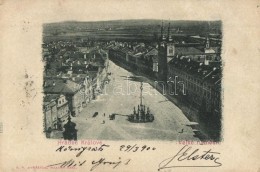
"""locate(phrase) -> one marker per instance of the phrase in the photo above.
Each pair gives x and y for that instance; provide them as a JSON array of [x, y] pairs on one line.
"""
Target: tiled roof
[[152, 52], [50, 97], [61, 86], [207, 73], [187, 51]]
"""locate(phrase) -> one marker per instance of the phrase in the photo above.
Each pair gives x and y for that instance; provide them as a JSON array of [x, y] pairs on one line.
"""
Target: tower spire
[[169, 30], [169, 33], [162, 30]]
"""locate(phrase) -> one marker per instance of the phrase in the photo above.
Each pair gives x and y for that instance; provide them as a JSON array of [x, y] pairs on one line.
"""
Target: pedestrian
[[104, 114]]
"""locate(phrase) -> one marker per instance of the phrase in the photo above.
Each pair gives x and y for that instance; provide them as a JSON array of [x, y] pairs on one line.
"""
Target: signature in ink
[[193, 157]]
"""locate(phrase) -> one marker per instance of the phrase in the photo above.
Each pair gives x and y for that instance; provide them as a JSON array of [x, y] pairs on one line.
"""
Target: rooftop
[[206, 73], [50, 97], [65, 86], [187, 51]]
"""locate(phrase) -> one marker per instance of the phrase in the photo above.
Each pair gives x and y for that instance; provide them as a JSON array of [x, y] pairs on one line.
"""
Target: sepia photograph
[[133, 80]]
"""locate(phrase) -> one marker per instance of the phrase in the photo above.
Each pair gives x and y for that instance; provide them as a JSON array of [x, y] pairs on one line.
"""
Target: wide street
[[119, 96]]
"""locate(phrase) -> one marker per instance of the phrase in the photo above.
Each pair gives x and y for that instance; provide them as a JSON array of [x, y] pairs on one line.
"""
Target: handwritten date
[[135, 148]]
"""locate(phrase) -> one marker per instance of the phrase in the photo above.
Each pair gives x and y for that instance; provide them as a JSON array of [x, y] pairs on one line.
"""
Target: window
[[208, 57], [170, 50]]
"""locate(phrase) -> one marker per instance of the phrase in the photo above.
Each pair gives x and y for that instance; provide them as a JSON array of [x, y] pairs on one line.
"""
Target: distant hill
[[146, 28], [141, 22]]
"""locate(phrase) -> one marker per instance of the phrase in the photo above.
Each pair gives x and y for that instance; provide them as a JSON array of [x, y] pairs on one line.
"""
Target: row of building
[[144, 59], [56, 111], [71, 80], [197, 83]]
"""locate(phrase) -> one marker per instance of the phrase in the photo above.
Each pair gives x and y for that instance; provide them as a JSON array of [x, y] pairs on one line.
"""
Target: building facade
[[199, 83]]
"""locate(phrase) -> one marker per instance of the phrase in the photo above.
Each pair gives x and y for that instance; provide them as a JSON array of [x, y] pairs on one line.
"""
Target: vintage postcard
[[129, 85]]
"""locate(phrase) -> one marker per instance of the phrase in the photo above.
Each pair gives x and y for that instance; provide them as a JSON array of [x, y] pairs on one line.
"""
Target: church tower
[[170, 45], [162, 57], [210, 53]]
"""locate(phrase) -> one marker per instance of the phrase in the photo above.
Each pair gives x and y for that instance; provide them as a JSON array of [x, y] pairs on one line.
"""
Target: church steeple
[[208, 49], [169, 33], [162, 30]]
